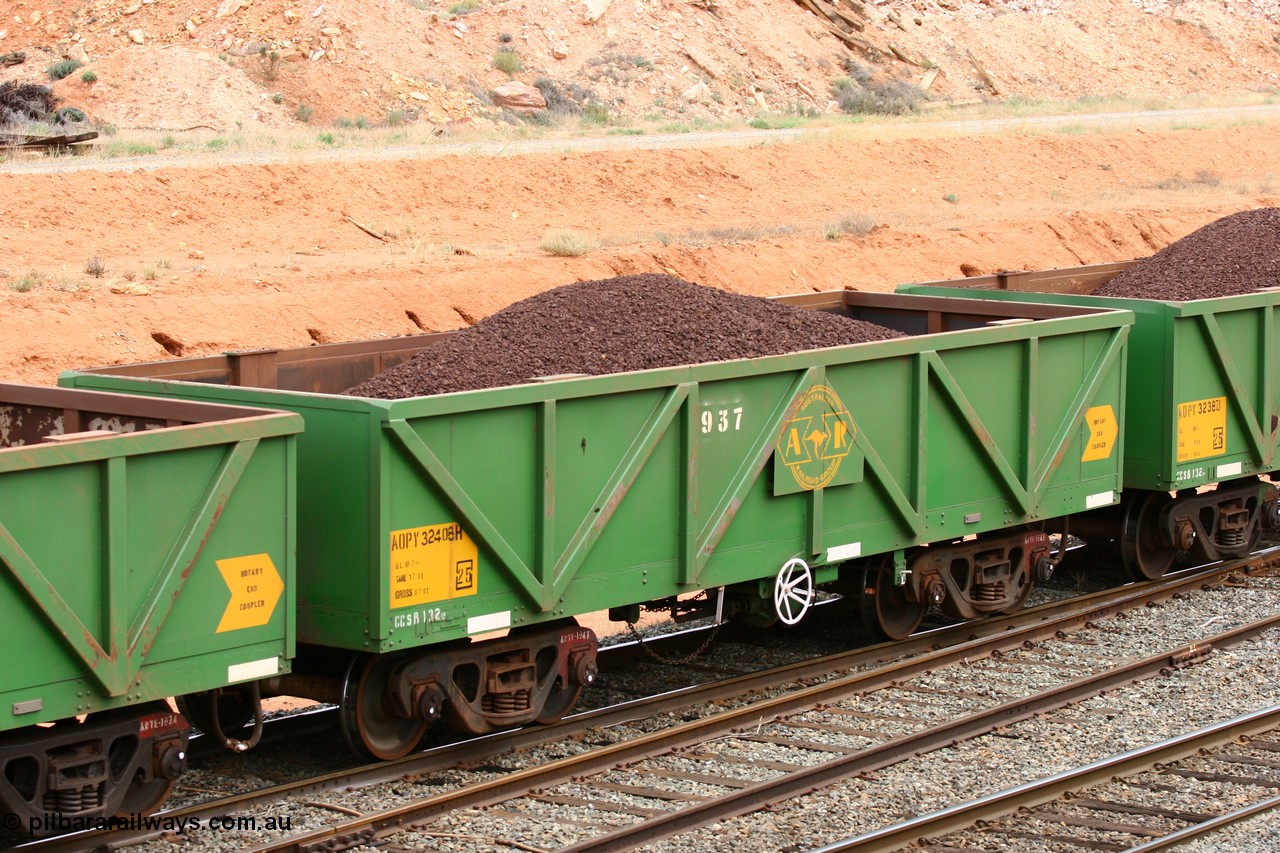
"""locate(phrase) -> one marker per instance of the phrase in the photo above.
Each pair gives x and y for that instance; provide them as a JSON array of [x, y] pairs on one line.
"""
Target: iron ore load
[[646, 443], [1203, 388]]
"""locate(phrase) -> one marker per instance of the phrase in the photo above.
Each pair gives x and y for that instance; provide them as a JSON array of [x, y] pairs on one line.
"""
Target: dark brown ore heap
[[632, 322], [1229, 256]]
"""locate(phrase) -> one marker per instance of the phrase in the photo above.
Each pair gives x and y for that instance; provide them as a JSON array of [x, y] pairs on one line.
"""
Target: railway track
[[601, 751], [1129, 796]]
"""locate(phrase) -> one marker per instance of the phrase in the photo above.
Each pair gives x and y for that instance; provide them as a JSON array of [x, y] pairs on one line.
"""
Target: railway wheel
[[1020, 598], [1142, 547], [885, 606], [563, 698], [146, 795], [559, 702], [234, 708], [368, 724]]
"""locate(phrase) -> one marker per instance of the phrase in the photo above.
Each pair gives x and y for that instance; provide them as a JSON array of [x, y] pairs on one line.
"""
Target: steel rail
[[956, 642], [797, 783], [517, 783], [1199, 830], [1032, 794]]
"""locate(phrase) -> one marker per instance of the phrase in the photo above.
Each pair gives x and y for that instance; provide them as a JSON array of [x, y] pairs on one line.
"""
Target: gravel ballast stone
[[631, 322], [1230, 256]]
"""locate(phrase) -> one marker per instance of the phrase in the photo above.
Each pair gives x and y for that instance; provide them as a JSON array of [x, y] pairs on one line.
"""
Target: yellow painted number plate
[[1202, 428], [432, 563]]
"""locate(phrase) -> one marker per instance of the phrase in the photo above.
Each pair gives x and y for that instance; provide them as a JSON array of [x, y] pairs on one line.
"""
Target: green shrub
[[596, 113], [28, 282], [89, 77], [508, 61], [61, 69], [95, 268], [466, 7], [277, 98], [395, 117], [304, 113], [868, 95]]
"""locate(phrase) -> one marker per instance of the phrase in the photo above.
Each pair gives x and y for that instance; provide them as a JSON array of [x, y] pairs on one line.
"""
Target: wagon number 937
[[722, 420]]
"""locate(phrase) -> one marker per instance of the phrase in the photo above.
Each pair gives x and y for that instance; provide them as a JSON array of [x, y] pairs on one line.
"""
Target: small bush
[[395, 117], [216, 144], [61, 69], [568, 244], [122, 148], [95, 268], [269, 60], [508, 61], [326, 138], [304, 113], [560, 101], [595, 114], [951, 198], [856, 224], [466, 7], [863, 93], [28, 282], [89, 77], [277, 98]]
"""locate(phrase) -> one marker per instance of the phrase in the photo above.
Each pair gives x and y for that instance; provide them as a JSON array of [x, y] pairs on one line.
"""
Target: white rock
[[698, 92]]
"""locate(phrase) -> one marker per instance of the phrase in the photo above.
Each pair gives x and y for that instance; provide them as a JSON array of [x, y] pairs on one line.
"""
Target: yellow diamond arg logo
[[255, 588], [814, 442]]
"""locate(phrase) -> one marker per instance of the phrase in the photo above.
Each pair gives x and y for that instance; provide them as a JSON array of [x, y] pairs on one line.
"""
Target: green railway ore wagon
[[146, 551], [428, 522], [1203, 407]]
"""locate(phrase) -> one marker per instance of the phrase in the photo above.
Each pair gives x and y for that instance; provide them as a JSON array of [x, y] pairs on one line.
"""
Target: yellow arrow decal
[[1103, 430], [255, 588]]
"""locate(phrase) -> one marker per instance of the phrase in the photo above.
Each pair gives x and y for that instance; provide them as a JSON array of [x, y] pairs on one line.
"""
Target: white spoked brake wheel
[[793, 591]]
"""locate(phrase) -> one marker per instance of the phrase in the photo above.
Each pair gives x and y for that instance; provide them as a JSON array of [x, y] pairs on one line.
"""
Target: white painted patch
[[1232, 470], [253, 669], [1100, 499], [844, 552], [489, 622]]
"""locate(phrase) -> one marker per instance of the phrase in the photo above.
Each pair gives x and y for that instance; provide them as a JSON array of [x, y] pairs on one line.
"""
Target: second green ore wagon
[[446, 543], [1203, 409]]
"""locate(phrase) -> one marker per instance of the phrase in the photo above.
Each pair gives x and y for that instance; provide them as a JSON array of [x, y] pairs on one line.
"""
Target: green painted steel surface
[[436, 518], [1204, 376], [114, 547]]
